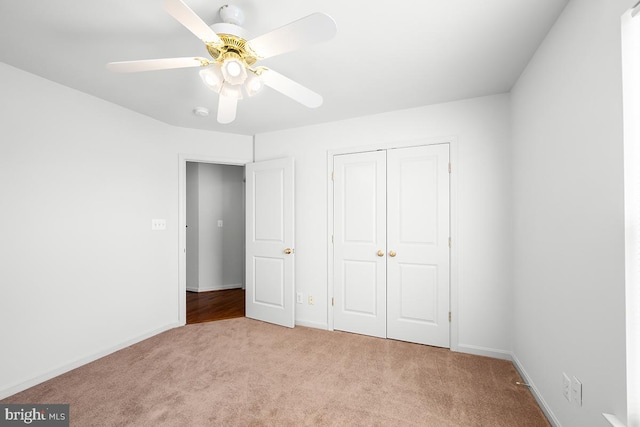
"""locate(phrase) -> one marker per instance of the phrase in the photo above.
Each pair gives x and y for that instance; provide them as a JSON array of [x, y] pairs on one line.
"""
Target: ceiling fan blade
[[156, 64], [187, 17], [292, 89], [314, 28], [227, 106]]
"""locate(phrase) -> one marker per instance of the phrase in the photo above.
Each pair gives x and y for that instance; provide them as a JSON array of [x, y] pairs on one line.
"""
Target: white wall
[[568, 214], [82, 272], [481, 128], [219, 251], [233, 215]]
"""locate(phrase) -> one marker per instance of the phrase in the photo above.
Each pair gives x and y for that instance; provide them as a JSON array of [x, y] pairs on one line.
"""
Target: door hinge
[[331, 175], [449, 316], [449, 242], [333, 301], [332, 238], [449, 167]]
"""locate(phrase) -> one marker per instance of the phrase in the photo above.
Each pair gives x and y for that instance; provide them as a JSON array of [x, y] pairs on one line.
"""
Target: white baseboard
[[536, 394], [613, 420], [310, 324], [214, 288], [484, 351], [16, 388]]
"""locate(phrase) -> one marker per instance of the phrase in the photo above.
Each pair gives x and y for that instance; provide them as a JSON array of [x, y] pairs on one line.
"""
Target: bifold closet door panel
[[360, 243], [418, 244]]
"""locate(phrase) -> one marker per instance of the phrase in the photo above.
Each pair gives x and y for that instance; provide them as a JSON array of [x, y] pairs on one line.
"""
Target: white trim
[[311, 324], [536, 394], [210, 288], [455, 244], [453, 216], [484, 351], [613, 420], [16, 388], [631, 148], [182, 221], [330, 154]]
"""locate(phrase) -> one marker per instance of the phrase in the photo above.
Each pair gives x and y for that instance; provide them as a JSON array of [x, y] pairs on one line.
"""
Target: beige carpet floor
[[245, 372]]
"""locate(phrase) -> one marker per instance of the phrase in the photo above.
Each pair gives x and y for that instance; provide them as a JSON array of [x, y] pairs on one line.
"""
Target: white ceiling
[[386, 55]]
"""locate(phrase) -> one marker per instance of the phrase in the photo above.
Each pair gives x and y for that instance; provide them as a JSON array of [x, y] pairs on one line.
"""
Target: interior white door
[[270, 242], [418, 244], [360, 243]]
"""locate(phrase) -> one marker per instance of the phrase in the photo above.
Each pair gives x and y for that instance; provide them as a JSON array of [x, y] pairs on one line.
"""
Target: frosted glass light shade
[[231, 91], [233, 71], [253, 84], [212, 78]]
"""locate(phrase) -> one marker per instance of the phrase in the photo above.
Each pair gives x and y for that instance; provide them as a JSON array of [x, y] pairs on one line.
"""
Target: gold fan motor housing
[[233, 46]]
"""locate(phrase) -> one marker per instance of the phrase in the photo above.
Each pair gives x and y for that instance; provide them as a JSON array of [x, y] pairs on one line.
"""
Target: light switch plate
[[158, 224], [566, 386], [576, 391]]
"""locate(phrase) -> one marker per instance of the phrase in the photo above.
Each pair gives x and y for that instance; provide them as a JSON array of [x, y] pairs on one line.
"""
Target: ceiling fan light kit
[[230, 71], [253, 84], [212, 77], [231, 91], [234, 71]]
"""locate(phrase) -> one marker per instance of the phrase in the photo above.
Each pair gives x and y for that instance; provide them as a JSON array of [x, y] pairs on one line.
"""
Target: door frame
[[453, 224], [182, 220]]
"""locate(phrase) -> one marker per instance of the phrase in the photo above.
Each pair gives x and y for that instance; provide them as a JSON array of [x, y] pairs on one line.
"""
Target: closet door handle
[[288, 251], [380, 253], [392, 253]]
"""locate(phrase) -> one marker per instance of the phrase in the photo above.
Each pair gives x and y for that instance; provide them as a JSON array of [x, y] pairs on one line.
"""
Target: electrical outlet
[[566, 387], [299, 297], [576, 391], [310, 300]]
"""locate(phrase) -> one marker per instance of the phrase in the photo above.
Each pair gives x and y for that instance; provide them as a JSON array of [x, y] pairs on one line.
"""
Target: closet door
[[360, 243], [418, 244]]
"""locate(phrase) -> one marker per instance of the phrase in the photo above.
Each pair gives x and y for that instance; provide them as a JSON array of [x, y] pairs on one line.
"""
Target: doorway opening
[[215, 241]]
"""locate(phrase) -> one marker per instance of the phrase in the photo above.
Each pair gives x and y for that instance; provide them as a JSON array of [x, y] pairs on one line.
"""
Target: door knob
[[380, 253], [392, 253], [288, 251]]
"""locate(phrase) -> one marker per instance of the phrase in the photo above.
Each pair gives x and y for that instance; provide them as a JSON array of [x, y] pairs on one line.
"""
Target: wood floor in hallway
[[214, 305]]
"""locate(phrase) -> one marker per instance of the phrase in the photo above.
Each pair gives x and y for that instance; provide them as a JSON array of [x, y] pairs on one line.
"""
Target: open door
[[270, 242]]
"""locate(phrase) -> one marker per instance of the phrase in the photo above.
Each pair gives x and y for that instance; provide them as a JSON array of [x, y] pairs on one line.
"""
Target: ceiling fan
[[231, 71]]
